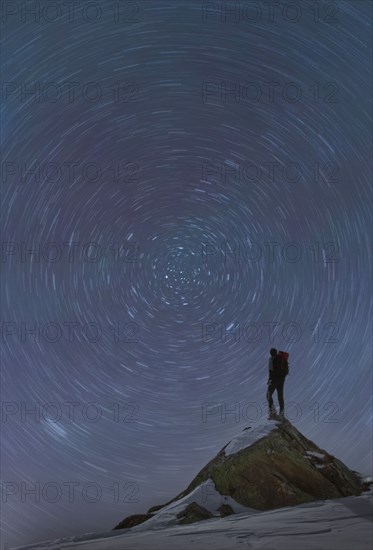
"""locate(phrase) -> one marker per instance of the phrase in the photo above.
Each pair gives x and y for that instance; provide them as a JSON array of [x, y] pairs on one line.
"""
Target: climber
[[278, 369]]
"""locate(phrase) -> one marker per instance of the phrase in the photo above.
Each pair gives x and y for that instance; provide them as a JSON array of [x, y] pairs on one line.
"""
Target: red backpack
[[280, 363]]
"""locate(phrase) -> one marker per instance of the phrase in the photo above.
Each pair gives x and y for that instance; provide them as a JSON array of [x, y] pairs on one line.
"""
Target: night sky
[[195, 183]]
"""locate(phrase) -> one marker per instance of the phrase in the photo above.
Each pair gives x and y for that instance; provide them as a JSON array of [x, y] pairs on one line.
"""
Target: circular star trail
[[194, 185]]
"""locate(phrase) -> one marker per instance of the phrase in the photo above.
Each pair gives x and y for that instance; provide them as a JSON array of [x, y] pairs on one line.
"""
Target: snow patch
[[250, 436], [205, 495], [313, 453]]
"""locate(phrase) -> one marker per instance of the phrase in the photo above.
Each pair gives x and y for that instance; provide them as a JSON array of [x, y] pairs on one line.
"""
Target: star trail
[[184, 186]]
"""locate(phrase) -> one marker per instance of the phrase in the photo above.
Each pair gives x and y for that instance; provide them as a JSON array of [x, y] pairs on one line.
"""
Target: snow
[[343, 523], [313, 453], [250, 436], [205, 495]]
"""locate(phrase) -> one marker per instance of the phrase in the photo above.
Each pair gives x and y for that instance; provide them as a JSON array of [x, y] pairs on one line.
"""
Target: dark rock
[[225, 510], [131, 521], [192, 513], [155, 508], [367, 485]]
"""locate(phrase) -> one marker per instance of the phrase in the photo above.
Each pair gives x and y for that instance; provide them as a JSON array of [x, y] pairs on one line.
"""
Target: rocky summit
[[269, 465]]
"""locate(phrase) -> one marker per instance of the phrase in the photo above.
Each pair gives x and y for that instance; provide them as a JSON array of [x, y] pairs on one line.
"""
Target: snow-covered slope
[[341, 524], [205, 495], [250, 436], [271, 455]]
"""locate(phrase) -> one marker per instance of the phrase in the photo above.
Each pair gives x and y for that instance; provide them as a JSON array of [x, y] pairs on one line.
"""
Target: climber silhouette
[[276, 380]]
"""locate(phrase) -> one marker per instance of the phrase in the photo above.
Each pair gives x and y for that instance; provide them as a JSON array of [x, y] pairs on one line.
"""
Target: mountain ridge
[[268, 465]]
